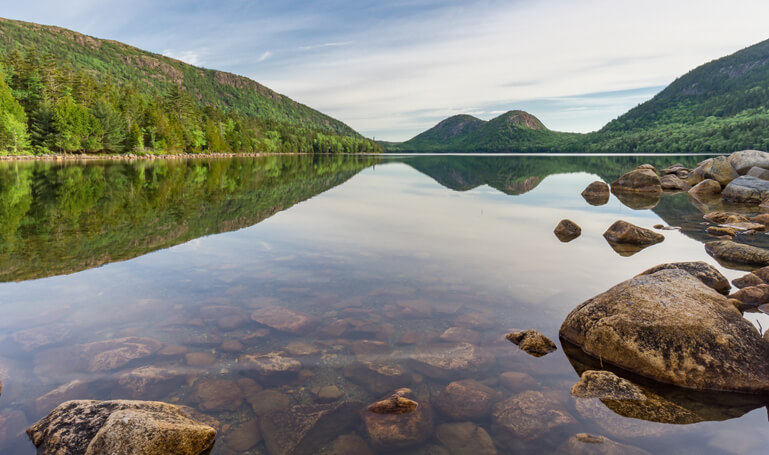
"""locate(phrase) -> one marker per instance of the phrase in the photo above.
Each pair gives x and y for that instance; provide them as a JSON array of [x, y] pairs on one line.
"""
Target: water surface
[[383, 254]]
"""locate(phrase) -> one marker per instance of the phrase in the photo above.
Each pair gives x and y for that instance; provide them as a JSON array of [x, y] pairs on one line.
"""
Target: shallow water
[[383, 254]]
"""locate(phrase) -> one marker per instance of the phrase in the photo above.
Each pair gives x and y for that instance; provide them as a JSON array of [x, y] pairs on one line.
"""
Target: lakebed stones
[[588, 444], [466, 399], [532, 342], [273, 366], [120, 428], [397, 403], [302, 429], [698, 269], [94, 357], [737, 254], [670, 327], [746, 190], [606, 385], [218, 395], [379, 377], [567, 230], [638, 181], [393, 431], [528, 416], [465, 438], [449, 360], [149, 382], [280, 318], [244, 436], [597, 193]]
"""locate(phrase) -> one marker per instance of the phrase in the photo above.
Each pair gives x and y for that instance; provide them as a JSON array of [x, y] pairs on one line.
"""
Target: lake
[[172, 280]]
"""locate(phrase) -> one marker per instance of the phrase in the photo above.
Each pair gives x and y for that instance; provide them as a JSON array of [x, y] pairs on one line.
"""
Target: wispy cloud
[[320, 46], [265, 55], [191, 57]]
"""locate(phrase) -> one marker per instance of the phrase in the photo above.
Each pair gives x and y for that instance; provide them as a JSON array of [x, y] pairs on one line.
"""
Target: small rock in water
[[606, 385], [720, 231], [517, 381], [466, 399], [752, 296], [465, 438], [329, 393], [624, 232], [379, 377], [244, 436], [218, 395], [395, 404], [638, 181], [733, 253], [597, 193], [393, 431], [567, 230], [528, 416], [532, 342], [750, 279], [705, 190]]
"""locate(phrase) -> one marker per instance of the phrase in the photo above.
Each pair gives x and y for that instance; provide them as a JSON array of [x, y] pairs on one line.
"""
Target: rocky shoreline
[[134, 157]]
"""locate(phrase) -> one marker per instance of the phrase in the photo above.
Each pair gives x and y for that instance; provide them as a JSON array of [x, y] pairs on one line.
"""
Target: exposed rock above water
[[532, 342], [567, 230], [597, 193], [752, 296], [746, 190], [397, 403], [744, 160], [747, 280], [627, 233], [390, 431], [698, 269], [637, 181], [733, 254], [705, 190], [718, 169], [670, 327], [120, 428]]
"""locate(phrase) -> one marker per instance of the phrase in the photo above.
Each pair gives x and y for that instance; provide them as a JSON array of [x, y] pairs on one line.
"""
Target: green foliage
[[77, 94]]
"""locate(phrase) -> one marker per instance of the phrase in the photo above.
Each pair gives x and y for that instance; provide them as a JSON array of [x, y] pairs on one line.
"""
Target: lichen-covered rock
[[698, 269], [638, 181], [746, 190], [606, 385], [744, 160], [718, 169], [528, 416], [532, 342], [737, 254], [120, 428], [597, 193], [467, 399], [670, 327], [588, 444], [627, 233], [567, 230]]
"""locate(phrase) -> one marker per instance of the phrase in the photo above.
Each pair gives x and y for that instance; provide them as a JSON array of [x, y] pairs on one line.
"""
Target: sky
[[393, 68]]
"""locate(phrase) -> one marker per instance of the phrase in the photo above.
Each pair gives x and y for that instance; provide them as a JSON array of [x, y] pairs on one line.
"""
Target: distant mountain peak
[[522, 119]]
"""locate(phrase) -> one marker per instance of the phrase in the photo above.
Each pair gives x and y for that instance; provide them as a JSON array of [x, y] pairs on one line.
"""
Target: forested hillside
[[64, 92]]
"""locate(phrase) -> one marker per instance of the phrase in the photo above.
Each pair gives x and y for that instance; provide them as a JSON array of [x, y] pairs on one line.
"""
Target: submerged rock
[[670, 327], [746, 190], [465, 438], [622, 232], [597, 193], [300, 430], [744, 160], [94, 357], [120, 428], [705, 190], [698, 269], [273, 366], [532, 342], [466, 399], [397, 403], [737, 254], [377, 376], [218, 395], [391, 431], [445, 360], [638, 181], [244, 436], [605, 384], [528, 416], [588, 444], [280, 318], [567, 230]]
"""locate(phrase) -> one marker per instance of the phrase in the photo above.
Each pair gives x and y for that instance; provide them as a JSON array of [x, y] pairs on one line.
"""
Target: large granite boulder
[[718, 169], [120, 428], [746, 190], [698, 269], [743, 160], [638, 181], [670, 327], [706, 190], [735, 254]]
